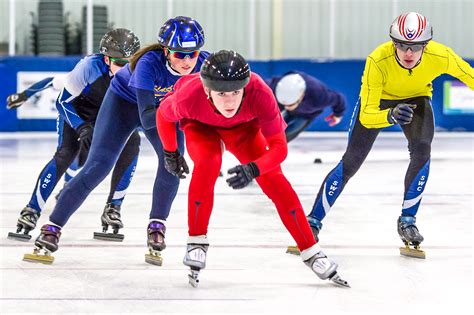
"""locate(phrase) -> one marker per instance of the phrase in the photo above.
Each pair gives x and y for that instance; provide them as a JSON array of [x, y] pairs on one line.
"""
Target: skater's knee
[[94, 171], [350, 164], [210, 164], [65, 155], [163, 177], [133, 144], [420, 150]]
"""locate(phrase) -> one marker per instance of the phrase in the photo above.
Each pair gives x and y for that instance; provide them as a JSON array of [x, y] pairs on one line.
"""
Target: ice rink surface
[[247, 268]]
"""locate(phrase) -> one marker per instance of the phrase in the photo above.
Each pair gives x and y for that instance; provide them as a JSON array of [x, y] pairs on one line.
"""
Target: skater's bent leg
[[115, 122], [124, 169], [204, 148], [66, 150], [360, 143], [72, 170], [420, 136], [295, 125], [275, 185], [166, 185], [247, 143]]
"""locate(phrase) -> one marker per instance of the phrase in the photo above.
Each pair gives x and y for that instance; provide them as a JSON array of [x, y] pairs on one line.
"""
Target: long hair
[[141, 52]]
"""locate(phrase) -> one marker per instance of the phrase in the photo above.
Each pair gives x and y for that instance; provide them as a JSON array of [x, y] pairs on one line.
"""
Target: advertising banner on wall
[[42, 104], [458, 99]]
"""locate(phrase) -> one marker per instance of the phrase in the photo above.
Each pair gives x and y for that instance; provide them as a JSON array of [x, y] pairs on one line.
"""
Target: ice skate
[[322, 266], [316, 226], [110, 217], [47, 242], [156, 242], [195, 257], [410, 236], [26, 222]]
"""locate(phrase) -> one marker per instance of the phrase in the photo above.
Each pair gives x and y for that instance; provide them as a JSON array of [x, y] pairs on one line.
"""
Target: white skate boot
[[195, 257], [322, 266]]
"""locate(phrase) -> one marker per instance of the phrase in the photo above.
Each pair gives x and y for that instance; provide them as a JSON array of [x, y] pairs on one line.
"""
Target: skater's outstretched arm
[[17, 99]]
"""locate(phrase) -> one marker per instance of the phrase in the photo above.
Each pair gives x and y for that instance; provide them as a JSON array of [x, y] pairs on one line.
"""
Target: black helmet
[[225, 71], [181, 33], [119, 43]]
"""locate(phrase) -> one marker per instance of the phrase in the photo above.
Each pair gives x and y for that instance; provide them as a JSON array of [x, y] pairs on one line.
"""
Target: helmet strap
[[170, 68], [108, 64]]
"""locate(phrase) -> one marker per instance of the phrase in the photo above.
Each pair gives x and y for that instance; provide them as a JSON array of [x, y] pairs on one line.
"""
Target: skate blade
[[156, 260], [19, 236], [293, 250], [193, 282], [35, 258], [337, 280], [108, 237], [193, 279], [412, 252]]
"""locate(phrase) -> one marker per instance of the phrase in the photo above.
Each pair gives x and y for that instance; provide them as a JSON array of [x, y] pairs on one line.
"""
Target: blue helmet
[[181, 33]]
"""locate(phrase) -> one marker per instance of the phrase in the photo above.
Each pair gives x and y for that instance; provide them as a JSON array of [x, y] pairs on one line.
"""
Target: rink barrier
[[340, 75]]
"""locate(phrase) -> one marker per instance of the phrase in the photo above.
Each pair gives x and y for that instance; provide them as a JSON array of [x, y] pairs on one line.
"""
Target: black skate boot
[[156, 242], [26, 222], [410, 236], [195, 257], [316, 226], [46, 241], [110, 216]]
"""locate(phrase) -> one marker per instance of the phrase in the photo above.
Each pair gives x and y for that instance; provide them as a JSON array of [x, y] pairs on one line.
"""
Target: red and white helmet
[[411, 27]]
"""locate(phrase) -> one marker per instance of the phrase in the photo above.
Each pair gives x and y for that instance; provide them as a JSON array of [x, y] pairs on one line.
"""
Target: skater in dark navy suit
[[131, 102], [302, 98]]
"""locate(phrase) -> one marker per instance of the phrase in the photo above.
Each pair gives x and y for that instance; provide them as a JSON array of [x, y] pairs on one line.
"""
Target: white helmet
[[411, 27], [290, 88]]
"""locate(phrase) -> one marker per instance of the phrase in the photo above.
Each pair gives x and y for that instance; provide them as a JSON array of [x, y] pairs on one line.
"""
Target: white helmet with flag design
[[410, 28]]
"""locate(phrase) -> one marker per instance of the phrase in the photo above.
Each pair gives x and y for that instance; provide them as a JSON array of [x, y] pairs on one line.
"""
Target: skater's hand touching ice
[[176, 164], [244, 174]]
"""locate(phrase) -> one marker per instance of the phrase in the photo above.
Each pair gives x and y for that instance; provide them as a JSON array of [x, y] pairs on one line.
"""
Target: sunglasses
[[119, 62], [414, 47], [184, 54]]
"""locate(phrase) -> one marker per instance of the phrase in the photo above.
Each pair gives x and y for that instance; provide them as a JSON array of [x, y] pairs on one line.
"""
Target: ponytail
[[141, 52]]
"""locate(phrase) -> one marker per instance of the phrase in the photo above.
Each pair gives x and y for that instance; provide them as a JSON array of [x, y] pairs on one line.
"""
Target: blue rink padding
[[341, 75]]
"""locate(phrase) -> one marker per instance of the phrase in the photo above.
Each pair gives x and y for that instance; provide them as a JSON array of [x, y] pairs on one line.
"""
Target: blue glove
[[244, 174], [401, 114]]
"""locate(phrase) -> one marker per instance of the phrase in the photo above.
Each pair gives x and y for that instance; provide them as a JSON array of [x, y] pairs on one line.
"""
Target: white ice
[[247, 268]]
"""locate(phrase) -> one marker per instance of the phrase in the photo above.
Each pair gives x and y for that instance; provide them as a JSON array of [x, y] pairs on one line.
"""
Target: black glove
[[85, 132], [401, 114], [16, 100], [176, 164], [244, 174]]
